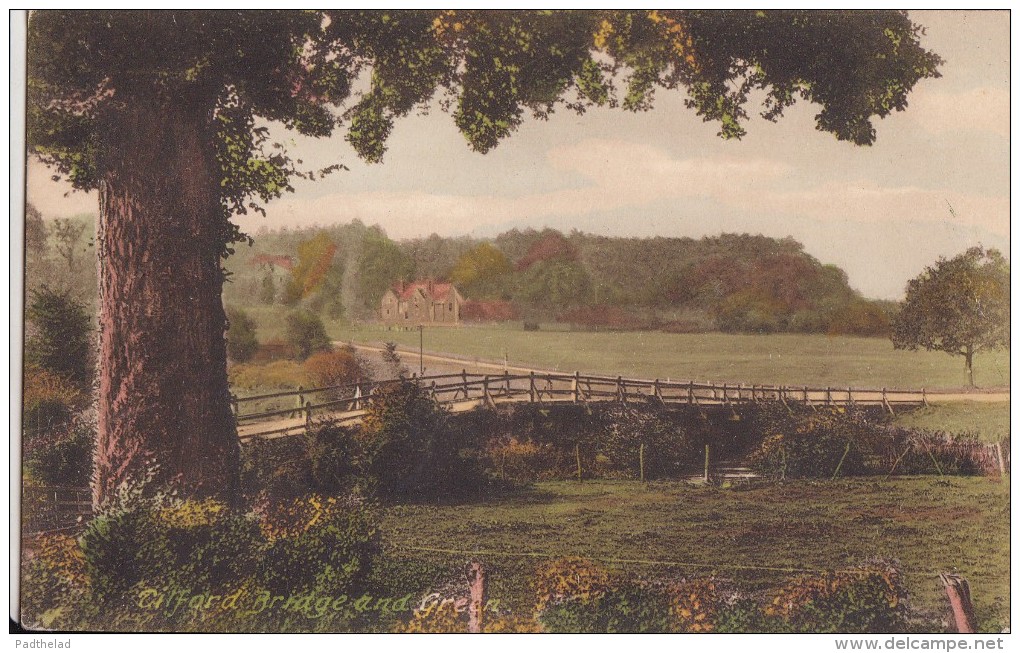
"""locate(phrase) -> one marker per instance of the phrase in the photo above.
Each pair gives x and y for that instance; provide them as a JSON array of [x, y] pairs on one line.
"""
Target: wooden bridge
[[288, 413]]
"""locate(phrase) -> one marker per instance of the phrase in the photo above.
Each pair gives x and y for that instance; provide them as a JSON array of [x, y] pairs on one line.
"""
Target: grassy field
[[926, 524], [989, 421], [777, 359]]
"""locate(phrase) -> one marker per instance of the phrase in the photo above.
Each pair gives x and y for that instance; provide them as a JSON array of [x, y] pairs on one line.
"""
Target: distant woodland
[[729, 283], [736, 283]]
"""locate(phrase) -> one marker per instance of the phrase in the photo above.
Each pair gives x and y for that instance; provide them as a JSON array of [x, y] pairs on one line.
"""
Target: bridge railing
[[349, 402]]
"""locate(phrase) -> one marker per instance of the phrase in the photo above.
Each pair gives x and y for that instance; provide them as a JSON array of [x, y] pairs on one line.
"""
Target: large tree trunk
[[968, 358], [164, 410]]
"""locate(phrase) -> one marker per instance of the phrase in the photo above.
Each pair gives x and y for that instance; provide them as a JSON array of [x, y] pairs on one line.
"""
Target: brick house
[[420, 302]]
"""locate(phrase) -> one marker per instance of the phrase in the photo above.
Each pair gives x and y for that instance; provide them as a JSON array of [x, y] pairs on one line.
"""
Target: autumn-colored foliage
[[332, 368]]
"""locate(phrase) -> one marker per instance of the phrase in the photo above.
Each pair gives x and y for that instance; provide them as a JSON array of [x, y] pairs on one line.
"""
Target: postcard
[[518, 321]]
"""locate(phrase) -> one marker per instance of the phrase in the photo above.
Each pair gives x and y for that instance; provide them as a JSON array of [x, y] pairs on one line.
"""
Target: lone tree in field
[[167, 114], [959, 306]]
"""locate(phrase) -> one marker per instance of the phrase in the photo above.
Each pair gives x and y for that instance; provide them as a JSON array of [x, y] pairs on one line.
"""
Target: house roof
[[439, 292]]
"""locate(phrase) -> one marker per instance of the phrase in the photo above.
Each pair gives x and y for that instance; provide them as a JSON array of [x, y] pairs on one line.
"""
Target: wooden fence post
[[850, 396], [300, 399], [534, 390], [577, 455], [1002, 461], [958, 590], [486, 396], [641, 462], [621, 391], [657, 391], [476, 607], [463, 375], [575, 386], [924, 397], [233, 405], [828, 396], [690, 393], [885, 402], [308, 415]]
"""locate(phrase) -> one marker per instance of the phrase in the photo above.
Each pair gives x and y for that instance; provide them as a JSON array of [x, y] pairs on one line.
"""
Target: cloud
[[624, 176], [981, 109]]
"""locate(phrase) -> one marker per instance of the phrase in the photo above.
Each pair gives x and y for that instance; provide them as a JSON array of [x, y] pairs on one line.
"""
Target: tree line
[[730, 282]]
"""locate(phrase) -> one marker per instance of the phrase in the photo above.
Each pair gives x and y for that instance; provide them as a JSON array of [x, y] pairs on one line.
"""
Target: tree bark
[[968, 358], [164, 410]]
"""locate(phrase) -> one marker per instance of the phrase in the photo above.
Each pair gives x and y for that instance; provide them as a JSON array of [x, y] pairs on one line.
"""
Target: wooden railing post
[[463, 375], [533, 389], [620, 392], [485, 392], [357, 397], [850, 397], [690, 393], [300, 398], [575, 386], [476, 606], [828, 396], [233, 405], [885, 401], [657, 391], [924, 397], [308, 415]]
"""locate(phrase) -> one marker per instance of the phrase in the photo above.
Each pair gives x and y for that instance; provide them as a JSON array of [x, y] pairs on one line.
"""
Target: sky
[[935, 183]]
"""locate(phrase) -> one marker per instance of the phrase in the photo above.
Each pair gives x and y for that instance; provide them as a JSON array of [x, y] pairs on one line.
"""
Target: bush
[[194, 546], [522, 461], [54, 578], [59, 337], [48, 401], [241, 340], [306, 333], [813, 446], [317, 544], [332, 459], [868, 599], [669, 447], [331, 368], [409, 450], [64, 457], [277, 374]]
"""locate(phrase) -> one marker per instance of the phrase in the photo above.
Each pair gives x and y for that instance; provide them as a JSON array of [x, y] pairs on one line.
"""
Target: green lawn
[[768, 359], [926, 524]]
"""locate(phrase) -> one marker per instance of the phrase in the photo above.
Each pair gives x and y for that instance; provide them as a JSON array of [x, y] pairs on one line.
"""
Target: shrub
[[331, 368], [332, 458], [48, 401], [53, 579], [169, 544], [275, 470], [813, 446], [241, 340], [669, 447], [60, 337], [306, 333], [522, 461], [64, 457], [277, 374], [867, 599], [572, 578], [409, 450], [317, 544]]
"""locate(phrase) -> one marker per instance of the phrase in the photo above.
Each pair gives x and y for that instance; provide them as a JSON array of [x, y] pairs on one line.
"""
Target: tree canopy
[[488, 68], [959, 306]]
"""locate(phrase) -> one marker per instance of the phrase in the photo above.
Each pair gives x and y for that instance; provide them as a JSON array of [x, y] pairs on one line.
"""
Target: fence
[[53, 509], [463, 392]]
